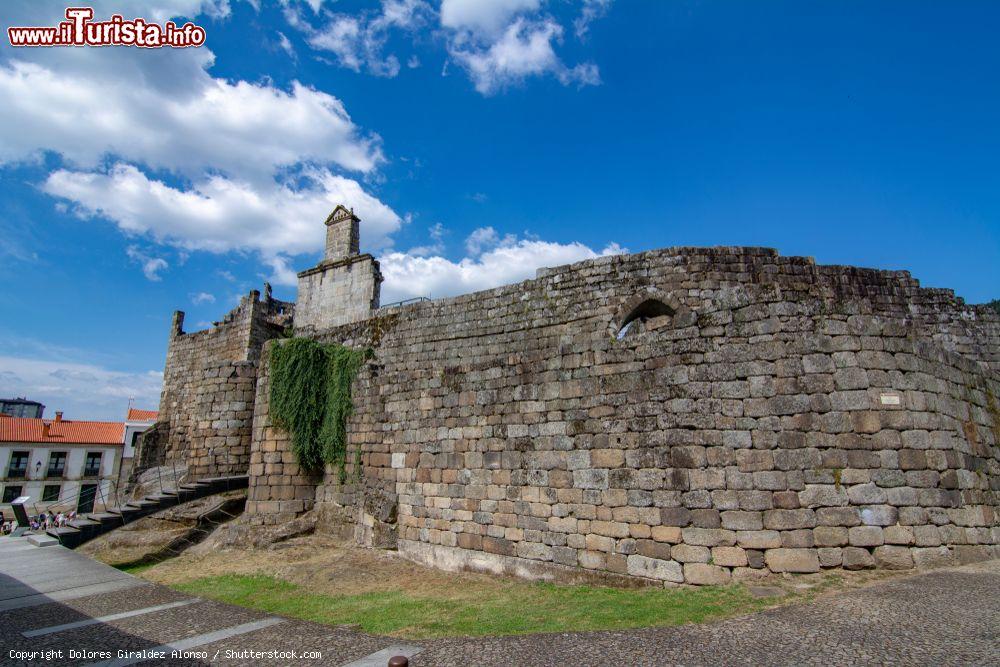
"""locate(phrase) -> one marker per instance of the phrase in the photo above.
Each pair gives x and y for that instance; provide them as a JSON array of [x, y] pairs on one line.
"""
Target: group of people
[[43, 521], [51, 520]]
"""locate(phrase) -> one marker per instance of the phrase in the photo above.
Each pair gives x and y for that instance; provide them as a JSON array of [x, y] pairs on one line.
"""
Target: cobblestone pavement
[[945, 617]]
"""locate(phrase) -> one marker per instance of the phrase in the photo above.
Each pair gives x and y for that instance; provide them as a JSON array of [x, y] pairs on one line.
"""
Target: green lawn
[[514, 608]]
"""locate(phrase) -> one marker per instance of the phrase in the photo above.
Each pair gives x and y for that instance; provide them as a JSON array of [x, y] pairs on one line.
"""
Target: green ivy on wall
[[311, 398]]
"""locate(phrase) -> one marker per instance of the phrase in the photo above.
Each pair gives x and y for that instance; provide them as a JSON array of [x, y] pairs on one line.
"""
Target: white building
[[136, 423], [60, 464]]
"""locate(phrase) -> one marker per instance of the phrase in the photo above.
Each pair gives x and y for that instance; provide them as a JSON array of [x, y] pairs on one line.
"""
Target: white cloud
[[202, 297], [218, 214], [242, 129], [591, 11], [195, 161], [485, 17], [342, 37], [435, 247], [358, 41], [282, 272], [524, 49], [151, 266], [286, 45], [497, 42], [80, 390], [485, 238], [407, 275]]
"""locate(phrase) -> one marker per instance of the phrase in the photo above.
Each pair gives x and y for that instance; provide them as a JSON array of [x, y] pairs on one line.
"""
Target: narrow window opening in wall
[[649, 315]]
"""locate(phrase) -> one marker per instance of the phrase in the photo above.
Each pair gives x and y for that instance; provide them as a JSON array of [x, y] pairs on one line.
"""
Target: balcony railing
[[17, 473], [92, 472]]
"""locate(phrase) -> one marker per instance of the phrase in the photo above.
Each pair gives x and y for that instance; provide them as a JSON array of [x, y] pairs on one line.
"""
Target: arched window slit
[[649, 315]]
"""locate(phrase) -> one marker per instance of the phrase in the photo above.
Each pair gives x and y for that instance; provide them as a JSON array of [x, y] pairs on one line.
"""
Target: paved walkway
[[52, 599], [943, 617]]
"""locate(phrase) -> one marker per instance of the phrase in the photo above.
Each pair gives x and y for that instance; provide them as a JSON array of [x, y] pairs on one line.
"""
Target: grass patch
[[135, 568], [517, 608]]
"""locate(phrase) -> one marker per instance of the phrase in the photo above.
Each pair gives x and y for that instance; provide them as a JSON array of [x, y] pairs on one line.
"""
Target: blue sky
[[478, 140]]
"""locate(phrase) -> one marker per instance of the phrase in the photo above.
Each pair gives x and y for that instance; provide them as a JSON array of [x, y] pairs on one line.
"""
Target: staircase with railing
[[117, 512]]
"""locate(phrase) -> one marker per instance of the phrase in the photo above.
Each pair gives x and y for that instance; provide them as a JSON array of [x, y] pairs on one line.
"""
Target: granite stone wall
[[684, 415], [337, 292], [344, 286], [209, 384]]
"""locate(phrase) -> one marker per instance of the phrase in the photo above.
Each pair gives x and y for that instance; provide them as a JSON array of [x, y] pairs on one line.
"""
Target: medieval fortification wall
[[760, 413], [209, 380], [682, 415]]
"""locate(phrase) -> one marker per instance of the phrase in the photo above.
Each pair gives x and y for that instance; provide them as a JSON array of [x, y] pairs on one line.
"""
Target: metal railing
[[405, 302]]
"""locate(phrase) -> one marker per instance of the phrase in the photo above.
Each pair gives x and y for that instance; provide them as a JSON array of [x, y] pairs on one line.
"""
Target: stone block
[[926, 536], [758, 539], [855, 558], [687, 553], [830, 536], [671, 534], [898, 535], [593, 560], [932, 556], [797, 539], [879, 515], [792, 560], [830, 556], [866, 494], [590, 478], [865, 536], [740, 520], [789, 519], [838, 516], [708, 537], [653, 549], [786, 500], [654, 568], [705, 574], [822, 495], [893, 557], [675, 516], [729, 556], [705, 518]]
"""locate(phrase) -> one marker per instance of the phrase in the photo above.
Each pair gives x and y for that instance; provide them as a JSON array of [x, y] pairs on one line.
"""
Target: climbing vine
[[311, 398]]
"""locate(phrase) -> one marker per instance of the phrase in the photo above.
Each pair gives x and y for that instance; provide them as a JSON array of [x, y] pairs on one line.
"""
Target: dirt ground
[[332, 566]]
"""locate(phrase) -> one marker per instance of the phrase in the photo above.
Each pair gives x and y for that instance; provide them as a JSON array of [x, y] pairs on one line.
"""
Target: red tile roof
[[136, 415], [24, 429]]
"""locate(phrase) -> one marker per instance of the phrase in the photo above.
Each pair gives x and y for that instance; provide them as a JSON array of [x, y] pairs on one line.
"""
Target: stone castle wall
[[336, 292], [763, 414], [209, 384]]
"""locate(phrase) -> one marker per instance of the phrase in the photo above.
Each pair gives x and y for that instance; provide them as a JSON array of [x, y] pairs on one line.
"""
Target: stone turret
[[344, 286], [342, 234]]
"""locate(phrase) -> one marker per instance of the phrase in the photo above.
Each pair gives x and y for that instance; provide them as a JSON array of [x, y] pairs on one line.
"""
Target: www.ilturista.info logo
[[79, 30]]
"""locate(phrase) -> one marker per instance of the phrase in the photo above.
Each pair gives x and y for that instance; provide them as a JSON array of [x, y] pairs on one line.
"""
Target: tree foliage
[[311, 398]]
